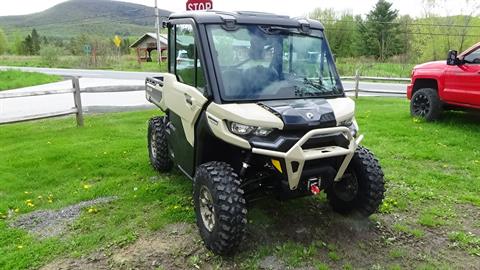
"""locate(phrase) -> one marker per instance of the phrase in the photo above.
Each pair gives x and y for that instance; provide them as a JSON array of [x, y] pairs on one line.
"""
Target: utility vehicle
[[260, 112], [451, 84]]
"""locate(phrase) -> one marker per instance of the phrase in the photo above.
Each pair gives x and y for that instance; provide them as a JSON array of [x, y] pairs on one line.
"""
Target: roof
[[246, 17], [163, 39]]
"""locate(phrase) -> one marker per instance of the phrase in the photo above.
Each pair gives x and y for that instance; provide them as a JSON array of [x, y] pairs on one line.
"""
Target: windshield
[[268, 62]]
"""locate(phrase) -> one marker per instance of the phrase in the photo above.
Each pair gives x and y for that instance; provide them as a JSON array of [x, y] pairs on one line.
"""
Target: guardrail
[[358, 78], [77, 98]]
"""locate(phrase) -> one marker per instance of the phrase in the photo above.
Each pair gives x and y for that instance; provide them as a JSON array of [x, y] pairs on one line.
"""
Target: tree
[[35, 42], [28, 45], [405, 38], [380, 31], [3, 42], [45, 41], [125, 46], [17, 46], [340, 30]]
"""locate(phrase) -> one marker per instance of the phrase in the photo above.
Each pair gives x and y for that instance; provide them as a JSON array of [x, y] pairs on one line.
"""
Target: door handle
[[188, 99]]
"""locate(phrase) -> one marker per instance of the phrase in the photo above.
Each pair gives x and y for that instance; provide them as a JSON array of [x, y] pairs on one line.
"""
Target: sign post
[[199, 4], [118, 42], [87, 49]]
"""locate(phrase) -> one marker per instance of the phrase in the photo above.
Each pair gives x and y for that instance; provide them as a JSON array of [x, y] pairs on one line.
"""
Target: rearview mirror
[[452, 59]]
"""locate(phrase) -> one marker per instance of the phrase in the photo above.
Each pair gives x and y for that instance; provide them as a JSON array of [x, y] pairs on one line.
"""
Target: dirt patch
[[362, 243], [177, 246], [469, 218], [338, 241], [53, 223], [170, 249]]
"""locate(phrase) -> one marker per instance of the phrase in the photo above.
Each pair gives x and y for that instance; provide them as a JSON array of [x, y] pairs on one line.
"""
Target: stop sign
[[199, 4]]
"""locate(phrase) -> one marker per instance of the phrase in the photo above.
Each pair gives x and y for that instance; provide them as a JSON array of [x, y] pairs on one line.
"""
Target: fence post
[[78, 101], [357, 83]]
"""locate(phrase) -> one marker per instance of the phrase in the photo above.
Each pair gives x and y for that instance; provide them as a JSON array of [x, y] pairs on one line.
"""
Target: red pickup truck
[[443, 85]]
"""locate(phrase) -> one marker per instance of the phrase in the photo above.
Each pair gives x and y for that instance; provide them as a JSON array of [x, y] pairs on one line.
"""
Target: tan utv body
[[257, 110], [169, 91]]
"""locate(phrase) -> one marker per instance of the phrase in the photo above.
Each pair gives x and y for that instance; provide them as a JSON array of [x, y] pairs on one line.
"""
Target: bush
[[50, 54]]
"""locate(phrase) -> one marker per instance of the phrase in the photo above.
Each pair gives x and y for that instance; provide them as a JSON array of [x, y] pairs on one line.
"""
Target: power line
[[408, 33], [402, 23]]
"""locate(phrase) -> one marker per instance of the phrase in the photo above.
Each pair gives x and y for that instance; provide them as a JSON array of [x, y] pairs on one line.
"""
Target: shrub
[[50, 55]]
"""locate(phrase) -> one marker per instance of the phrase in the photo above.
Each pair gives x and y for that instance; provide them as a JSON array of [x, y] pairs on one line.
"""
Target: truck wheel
[[219, 206], [426, 104], [157, 145], [362, 187]]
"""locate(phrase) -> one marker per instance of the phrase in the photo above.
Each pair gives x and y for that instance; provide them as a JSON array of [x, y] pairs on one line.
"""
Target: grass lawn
[[13, 79], [369, 67], [125, 63], [429, 219], [346, 66]]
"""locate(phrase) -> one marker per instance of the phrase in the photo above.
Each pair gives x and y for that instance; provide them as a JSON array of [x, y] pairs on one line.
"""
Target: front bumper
[[296, 154]]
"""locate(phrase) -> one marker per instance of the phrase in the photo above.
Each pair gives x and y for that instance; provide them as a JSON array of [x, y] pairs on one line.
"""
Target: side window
[[473, 57], [186, 60]]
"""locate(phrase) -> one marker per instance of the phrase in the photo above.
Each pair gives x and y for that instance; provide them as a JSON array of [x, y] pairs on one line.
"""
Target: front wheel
[[426, 104], [220, 207], [361, 188]]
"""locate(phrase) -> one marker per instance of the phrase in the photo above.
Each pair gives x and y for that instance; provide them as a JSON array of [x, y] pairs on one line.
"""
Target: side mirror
[[452, 59]]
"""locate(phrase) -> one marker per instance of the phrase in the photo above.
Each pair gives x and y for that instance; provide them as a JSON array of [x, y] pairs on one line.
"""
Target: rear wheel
[[157, 144], [362, 187], [219, 206], [426, 104]]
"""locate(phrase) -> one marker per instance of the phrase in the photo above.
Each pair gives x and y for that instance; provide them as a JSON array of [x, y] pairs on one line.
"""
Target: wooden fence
[[358, 78], [75, 90]]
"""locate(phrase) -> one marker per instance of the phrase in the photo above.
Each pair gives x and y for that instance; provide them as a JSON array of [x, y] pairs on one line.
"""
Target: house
[[148, 43]]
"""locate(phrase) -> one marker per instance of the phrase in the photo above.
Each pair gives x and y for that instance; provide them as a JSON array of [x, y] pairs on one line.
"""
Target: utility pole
[[157, 28]]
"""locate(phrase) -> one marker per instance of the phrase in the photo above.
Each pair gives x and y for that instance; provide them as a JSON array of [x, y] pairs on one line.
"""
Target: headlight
[[347, 123], [262, 131], [243, 130], [352, 125]]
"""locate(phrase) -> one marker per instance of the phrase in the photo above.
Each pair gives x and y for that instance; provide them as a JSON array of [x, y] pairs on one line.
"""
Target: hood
[[432, 65], [311, 113]]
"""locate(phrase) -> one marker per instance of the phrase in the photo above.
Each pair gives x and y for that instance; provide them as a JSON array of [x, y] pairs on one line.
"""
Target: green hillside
[[93, 17]]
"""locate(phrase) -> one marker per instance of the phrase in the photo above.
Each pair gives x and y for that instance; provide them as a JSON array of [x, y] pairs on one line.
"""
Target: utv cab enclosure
[[255, 108]]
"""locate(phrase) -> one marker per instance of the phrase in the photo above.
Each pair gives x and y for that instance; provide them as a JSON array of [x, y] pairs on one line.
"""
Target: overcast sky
[[289, 7]]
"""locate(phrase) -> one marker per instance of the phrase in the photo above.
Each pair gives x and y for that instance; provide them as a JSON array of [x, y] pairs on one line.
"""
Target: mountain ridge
[[92, 17]]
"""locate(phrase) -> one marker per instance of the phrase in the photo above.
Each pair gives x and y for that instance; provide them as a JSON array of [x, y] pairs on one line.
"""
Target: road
[[111, 101]]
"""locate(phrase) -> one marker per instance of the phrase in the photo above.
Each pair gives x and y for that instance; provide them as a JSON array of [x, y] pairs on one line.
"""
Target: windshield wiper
[[316, 84]]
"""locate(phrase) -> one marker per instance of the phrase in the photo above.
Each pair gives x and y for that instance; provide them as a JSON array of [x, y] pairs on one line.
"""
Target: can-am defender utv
[[255, 107]]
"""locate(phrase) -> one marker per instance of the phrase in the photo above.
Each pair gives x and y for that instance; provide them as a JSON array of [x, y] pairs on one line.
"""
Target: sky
[[293, 7]]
